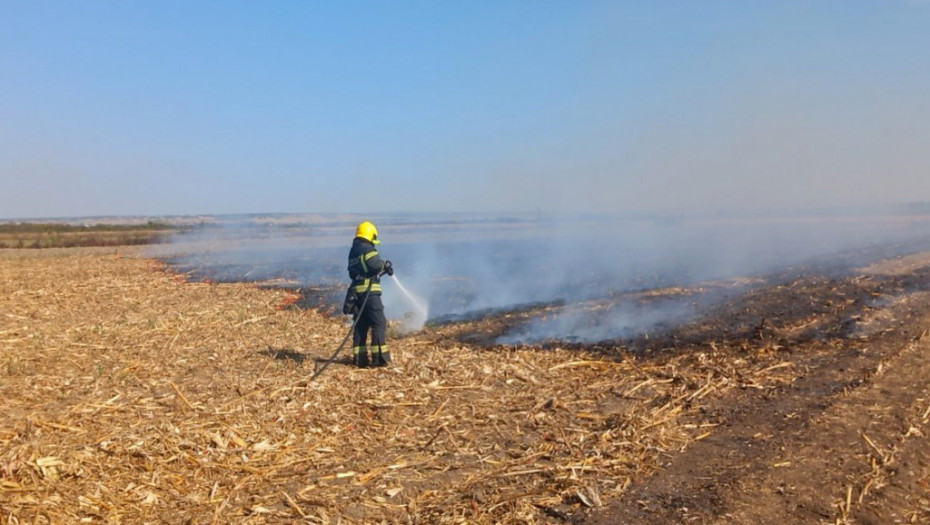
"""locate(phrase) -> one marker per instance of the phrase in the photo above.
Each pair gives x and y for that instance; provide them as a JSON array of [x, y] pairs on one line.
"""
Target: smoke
[[463, 265], [591, 323], [277, 249]]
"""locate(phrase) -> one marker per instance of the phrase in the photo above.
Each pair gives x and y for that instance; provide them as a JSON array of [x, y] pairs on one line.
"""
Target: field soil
[[130, 395], [844, 442]]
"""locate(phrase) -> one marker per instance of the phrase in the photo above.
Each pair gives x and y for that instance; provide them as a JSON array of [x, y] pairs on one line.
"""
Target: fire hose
[[346, 338]]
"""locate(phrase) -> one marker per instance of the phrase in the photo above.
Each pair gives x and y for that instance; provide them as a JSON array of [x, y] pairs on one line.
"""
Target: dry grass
[[132, 396], [75, 239]]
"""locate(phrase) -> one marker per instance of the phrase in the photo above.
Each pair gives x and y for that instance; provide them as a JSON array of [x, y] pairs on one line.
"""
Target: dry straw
[[132, 396]]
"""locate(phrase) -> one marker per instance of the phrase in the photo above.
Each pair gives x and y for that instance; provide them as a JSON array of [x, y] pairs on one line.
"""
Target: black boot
[[361, 357], [380, 356]]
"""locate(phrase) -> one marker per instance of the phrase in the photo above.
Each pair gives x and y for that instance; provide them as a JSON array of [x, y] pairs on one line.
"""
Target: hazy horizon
[[904, 208]]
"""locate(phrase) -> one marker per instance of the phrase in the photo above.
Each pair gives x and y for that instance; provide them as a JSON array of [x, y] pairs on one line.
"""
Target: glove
[[349, 308], [388, 268], [350, 305]]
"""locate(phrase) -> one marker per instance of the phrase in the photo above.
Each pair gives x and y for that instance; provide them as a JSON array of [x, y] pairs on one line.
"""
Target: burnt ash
[[714, 309], [771, 311], [324, 298], [491, 313]]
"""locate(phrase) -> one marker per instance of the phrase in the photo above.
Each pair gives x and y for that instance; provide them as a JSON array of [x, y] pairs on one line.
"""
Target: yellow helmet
[[367, 231]]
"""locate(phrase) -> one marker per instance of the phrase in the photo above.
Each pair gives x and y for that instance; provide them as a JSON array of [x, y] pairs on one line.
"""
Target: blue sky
[[235, 107]]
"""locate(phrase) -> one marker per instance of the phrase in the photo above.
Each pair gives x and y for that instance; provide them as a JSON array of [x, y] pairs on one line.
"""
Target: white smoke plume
[[462, 265]]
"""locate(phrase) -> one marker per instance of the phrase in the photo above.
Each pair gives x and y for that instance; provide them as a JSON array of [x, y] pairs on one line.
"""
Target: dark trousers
[[371, 318]]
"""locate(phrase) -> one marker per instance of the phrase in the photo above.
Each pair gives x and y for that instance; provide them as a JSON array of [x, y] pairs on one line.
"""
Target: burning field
[[131, 395]]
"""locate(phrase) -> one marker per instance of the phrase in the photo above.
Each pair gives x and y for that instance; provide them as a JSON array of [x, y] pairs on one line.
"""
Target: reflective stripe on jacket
[[365, 266]]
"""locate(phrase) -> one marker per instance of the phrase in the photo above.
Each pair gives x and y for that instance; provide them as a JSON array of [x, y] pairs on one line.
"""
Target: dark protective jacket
[[365, 266]]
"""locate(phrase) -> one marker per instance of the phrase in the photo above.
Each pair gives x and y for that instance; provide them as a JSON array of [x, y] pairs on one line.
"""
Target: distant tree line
[[56, 227]]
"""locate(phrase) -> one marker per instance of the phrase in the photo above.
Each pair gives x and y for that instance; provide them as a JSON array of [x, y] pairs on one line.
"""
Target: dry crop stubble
[[131, 395]]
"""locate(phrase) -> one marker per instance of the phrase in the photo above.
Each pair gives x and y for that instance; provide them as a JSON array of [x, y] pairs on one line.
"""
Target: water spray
[[422, 309]]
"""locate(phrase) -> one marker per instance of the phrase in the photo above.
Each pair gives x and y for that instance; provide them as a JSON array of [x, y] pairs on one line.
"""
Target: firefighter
[[365, 270]]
